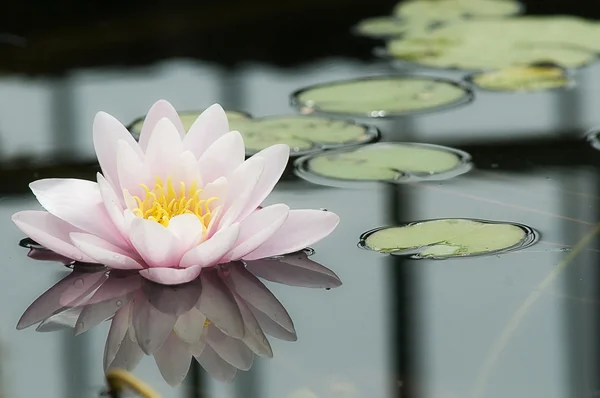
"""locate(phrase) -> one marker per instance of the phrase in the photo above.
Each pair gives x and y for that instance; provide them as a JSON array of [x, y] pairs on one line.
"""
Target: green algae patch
[[381, 96], [446, 238]]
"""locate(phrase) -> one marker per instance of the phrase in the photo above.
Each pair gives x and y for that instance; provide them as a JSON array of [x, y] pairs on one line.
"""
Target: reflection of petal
[[118, 284], [234, 351], [94, 314], [61, 321], [117, 332], [216, 366], [173, 360], [128, 356], [251, 289], [151, 326], [219, 306], [271, 327], [47, 255], [295, 269], [254, 337], [81, 287], [189, 326], [174, 300], [197, 348], [50, 301]]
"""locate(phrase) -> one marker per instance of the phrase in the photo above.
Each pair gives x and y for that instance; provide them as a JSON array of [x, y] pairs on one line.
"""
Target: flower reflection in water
[[221, 318]]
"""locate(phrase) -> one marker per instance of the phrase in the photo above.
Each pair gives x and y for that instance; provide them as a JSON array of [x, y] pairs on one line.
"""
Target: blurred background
[[396, 328]]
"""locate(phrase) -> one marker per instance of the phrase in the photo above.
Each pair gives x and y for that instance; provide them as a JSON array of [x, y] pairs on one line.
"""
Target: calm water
[[521, 324]]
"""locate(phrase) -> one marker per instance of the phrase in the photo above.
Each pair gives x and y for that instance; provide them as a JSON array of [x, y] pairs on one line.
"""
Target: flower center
[[162, 203]]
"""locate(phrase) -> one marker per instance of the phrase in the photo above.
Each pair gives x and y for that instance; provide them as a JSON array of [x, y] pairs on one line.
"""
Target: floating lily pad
[[303, 134], [390, 162], [443, 10], [492, 44], [386, 96], [523, 78], [388, 26], [447, 238], [187, 119]]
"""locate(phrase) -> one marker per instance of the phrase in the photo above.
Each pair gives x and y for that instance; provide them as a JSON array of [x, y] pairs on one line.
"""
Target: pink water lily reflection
[[173, 203], [221, 319]]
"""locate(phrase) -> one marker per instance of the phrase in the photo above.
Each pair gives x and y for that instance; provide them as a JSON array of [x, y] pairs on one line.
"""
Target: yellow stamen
[[163, 202]]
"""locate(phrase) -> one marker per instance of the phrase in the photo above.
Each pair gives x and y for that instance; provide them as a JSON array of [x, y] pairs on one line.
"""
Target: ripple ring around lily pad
[[446, 238], [382, 96], [387, 162]]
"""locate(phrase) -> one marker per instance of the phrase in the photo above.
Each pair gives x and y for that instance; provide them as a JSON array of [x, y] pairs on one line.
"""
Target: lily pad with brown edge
[[444, 10], [187, 119], [493, 44], [523, 78], [383, 162], [303, 134], [382, 96], [450, 237]]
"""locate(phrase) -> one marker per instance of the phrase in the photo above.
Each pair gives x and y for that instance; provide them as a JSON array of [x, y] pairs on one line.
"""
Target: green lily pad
[[395, 162], [444, 10], [448, 238], [302, 133], [493, 44], [187, 119], [381, 96], [523, 78], [389, 26]]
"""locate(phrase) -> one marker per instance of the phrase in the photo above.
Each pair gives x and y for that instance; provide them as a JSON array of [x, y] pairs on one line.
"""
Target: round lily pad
[[187, 119], [443, 10], [385, 96], [389, 162], [303, 134], [446, 238], [523, 78], [491, 44], [388, 26]]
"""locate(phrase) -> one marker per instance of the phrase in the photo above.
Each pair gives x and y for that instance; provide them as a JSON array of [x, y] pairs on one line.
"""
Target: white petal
[[131, 170], [256, 229], [154, 243], [103, 252], [222, 157], [212, 250], [113, 204], [171, 276], [187, 170], [163, 149], [161, 109], [188, 229], [207, 128], [301, 229]]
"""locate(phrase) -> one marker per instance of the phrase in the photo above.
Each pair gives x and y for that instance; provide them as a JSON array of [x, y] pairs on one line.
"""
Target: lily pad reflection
[[391, 162], [385, 96], [445, 238], [523, 78], [490, 44]]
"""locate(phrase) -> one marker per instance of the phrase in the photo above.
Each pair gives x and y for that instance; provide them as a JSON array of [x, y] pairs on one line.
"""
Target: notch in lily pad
[[383, 162], [382, 96], [528, 78], [449, 237]]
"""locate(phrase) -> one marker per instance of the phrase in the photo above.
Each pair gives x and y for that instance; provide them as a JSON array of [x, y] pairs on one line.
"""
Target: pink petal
[[186, 170], [73, 201], [272, 328], [171, 276], [173, 360], [242, 182], [216, 366], [187, 228], [219, 305], [131, 170], [113, 204], [157, 246], [190, 325], [103, 252], [294, 269], [107, 131], [117, 332], [254, 337], [152, 327], [212, 250], [256, 229], [233, 351], [50, 232], [164, 149], [209, 126], [255, 293], [275, 158], [222, 157], [301, 229], [161, 109]]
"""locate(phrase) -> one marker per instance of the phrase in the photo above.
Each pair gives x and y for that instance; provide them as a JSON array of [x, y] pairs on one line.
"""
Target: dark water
[[520, 324]]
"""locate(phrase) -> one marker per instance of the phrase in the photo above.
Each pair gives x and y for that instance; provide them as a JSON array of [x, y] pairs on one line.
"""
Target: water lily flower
[[173, 203], [221, 318]]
